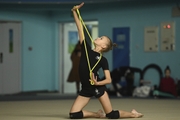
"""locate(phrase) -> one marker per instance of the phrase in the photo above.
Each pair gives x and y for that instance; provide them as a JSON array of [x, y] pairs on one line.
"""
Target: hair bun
[[115, 45], [167, 68]]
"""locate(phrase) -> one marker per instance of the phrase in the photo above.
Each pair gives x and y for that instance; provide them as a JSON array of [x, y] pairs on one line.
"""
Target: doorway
[[121, 36], [68, 34], [10, 57]]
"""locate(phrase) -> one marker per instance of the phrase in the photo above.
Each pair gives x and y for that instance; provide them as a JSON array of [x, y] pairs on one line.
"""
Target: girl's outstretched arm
[[78, 22]]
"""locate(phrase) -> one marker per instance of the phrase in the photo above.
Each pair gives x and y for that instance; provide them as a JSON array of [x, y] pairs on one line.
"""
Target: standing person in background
[[74, 74]]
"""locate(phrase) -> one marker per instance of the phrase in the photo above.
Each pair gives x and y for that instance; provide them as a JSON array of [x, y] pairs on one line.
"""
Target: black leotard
[[84, 69]]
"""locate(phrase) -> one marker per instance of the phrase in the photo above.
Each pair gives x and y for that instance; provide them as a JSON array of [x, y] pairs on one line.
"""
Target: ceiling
[[63, 5], [69, 1]]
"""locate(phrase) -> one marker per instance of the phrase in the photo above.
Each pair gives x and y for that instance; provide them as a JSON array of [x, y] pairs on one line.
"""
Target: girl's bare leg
[[80, 103], [105, 101], [89, 114]]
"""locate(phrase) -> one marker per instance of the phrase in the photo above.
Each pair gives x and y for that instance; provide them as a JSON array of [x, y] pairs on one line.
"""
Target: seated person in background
[[129, 76], [123, 81], [116, 78], [167, 86]]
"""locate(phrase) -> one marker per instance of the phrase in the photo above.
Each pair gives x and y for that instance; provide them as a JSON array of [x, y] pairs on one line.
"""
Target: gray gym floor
[[58, 109]]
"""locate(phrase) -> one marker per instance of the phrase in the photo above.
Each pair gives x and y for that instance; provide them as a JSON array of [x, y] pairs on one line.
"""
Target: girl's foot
[[101, 114], [137, 114]]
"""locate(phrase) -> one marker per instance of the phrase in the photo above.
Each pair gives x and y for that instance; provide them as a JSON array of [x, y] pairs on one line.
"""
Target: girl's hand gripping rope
[[93, 79], [77, 7]]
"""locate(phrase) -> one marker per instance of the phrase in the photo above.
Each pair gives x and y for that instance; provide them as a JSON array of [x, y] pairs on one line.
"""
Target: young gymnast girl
[[91, 83]]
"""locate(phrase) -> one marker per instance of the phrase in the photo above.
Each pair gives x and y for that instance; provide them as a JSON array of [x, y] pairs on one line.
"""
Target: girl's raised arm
[[78, 22]]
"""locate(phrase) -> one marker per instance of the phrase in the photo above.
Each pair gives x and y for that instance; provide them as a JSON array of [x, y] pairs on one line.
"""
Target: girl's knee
[[76, 115], [114, 114]]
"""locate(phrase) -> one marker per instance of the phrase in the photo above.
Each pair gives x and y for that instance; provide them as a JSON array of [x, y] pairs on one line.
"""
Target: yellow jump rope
[[90, 70]]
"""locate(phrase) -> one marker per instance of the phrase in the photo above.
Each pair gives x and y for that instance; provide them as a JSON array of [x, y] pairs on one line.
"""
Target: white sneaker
[[118, 94], [118, 86]]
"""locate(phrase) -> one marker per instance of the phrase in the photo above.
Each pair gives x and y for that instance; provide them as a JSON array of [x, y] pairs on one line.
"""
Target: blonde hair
[[110, 45]]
